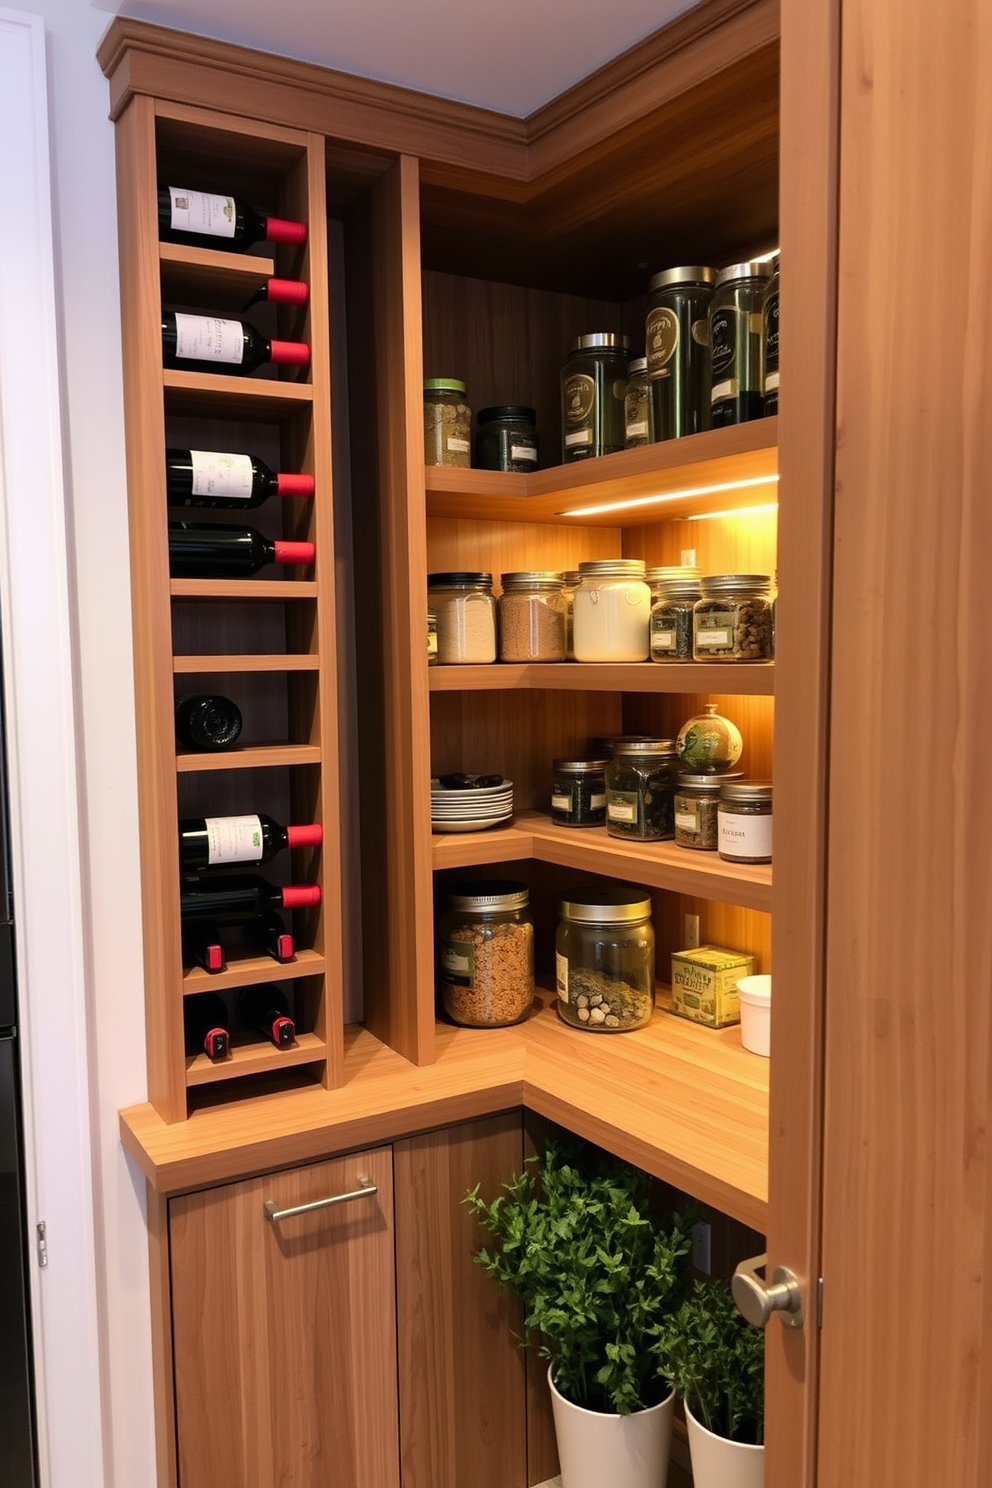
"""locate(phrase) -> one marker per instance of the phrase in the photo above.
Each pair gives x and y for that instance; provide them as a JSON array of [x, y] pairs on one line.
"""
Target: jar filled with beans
[[732, 621]]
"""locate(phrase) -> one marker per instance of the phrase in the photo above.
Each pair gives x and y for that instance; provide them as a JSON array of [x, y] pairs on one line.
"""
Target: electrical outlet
[[688, 559], [690, 932], [701, 1247]]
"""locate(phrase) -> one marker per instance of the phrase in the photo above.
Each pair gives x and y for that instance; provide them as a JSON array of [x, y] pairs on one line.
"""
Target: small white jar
[[611, 616]]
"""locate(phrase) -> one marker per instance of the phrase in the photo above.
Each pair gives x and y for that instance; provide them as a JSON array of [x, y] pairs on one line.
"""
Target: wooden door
[[285, 1333]]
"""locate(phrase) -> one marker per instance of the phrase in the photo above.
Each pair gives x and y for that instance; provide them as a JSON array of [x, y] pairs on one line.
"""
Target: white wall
[[86, 273]]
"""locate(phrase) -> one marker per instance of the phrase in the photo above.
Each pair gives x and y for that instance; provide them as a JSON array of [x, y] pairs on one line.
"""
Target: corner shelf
[[752, 679]]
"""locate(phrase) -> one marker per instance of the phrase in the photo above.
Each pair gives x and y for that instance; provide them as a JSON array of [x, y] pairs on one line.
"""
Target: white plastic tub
[[756, 1013]]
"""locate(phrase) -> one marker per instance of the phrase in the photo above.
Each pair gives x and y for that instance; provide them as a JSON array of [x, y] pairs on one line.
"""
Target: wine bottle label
[[207, 338], [201, 212], [216, 474], [233, 839]]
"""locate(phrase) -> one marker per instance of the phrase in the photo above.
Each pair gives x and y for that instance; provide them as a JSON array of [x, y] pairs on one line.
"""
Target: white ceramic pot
[[596, 1448], [755, 994], [718, 1462]]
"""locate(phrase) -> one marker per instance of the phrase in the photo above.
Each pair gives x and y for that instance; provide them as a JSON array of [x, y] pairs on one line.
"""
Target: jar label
[[745, 836], [770, 333], [597, 800], [771, 381], [621, 806], [457, 446], [701, 332], [583, 436], [523, 452], [561, 976], [727, 389], [221, 475], [202, 212], [661, 333], [687, 819], [458, 963], [208, 338], [578, 398], [662, 640], [233, 839], [723, 334], [638, 428], [561, 803]]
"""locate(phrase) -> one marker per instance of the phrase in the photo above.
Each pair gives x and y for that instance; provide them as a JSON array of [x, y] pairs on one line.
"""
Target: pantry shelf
[[255, 757], [254, 1059], [251, 969], [753, 680], [209, 276]]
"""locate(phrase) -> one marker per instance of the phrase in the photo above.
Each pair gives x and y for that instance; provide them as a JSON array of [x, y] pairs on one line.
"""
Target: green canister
[[769, 344], [593, 392], [735, 343], [676, 338]]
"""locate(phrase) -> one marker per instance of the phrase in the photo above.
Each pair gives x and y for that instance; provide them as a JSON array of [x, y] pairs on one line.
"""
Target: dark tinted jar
[[593, 391], [677, 341], [637, 405], [506, 438], [769, 344], [674, 592], [578, 792], [639, 790], [735, 344]]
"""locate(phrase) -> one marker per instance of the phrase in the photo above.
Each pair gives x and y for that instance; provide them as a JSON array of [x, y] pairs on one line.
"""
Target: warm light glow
[[737, 511], [610, 506]]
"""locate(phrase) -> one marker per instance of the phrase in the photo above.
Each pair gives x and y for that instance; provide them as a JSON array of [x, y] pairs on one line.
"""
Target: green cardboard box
[[704, 984]]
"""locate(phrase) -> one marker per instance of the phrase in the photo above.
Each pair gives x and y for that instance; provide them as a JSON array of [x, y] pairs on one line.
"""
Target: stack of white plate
[[470, 808]]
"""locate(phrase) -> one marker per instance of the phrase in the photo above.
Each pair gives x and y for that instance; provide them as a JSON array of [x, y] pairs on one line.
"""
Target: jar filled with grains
[[604, 959], [639, 790], [447, 423], [506, 439], [744, 821], [466, 617], [578, 792], [732, 621], [532, 614], [696, 801], [486, 954], [611, 611], [674, 592]]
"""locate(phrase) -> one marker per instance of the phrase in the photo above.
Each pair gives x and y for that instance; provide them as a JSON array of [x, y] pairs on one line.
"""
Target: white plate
[[470, 826], [474, 808], [474, 792]]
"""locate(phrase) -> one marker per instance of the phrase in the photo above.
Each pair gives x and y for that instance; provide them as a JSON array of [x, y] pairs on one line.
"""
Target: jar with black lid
[[735, 343], [506, 438], [486, 954], [744, 821], [605, 959], [639, 790], [677, 340], [637, 405], [447, 423], [593, 390], [697, 799], [578, 792], [769, 344], [674, 591], [732, 620]]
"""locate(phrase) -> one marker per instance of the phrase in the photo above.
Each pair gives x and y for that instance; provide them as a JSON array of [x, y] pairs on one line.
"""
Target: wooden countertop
[[685, 1103]]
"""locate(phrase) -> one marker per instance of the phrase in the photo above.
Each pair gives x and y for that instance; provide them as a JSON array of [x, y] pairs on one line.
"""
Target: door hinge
[[41, 1233], [819, 1302]]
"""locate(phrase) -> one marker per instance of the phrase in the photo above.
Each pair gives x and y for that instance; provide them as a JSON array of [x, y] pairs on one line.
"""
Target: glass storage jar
[[744, 821], [708, 743], [466, 617], [532, 617], [735, 344], [674, 592], [732, 621], [637, 404], [447, 423], [570, 583], [506, 438], [677, 339], [486, 954], [578, 792], [769, 344], [611, 611], [639, 790], [696, 800], [432, 638], [605, 959], [593, 388]]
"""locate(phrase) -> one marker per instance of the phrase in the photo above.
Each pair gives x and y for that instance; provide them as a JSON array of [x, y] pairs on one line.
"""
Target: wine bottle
[[205, 1023], [238, 899], [204, 220], [265, 1010], [216, 479], [280, 292], [199, 551], [207, 722], [212, 841], [208, 343]]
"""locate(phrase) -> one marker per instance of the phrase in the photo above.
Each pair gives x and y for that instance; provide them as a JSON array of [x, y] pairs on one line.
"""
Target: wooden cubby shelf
[[252, 757], [756, 680], [278, 662], [205, 394], [255, 1059], [250, 969], [215, 276], [253, 589]]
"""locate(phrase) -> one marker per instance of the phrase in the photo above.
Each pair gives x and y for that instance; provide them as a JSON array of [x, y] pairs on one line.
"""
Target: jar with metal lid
[[769, 344], [607, 744], [744, 821], [732, 621], [605, 959], [532, 617], [674, 592], [735, 343], [447, 423], [570, 582], [677, 339], [696, 800], [639, 790], [486, 954], [506, 438], [466, 617], [432, 638], [637, 404], [578, 792], [593, 388], [611, 611]]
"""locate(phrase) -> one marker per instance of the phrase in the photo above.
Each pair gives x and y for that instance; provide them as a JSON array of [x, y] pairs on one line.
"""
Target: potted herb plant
[[574, 1238], [716, 1363]]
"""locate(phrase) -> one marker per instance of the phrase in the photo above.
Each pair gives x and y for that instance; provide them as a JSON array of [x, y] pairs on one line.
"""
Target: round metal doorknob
[[757, 1299]]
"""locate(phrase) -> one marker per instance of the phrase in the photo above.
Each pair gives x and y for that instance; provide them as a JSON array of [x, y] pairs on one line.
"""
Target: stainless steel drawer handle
[[366, 1191]]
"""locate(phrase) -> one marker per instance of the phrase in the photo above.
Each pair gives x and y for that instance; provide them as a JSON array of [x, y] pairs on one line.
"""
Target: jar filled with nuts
[[447, 423], [733, 619], [605, 959], [485, 953]]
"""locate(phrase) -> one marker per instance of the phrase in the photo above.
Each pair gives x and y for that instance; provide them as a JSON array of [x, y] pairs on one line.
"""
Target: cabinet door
[[285, 1332]]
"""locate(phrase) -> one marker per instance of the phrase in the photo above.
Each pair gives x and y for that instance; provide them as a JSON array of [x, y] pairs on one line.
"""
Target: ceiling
[[512, 56]]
